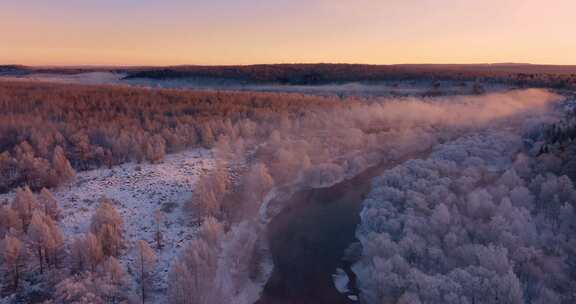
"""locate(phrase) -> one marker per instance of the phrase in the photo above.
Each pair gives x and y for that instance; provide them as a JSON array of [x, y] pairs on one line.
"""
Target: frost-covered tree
[[145, 262], [287, 163], [222, 148], [106, 285], [79, 289], [86, 253], [211, 231], [12, 253], [9, 220], [207, 135], [115, 272], [192, 276], [155, 149], [106, 225], [219, 268], [240, 263], [46, 239], [209, 192], [63, 171], [49, 204], [158, 219], [256, 183], [25, 203]]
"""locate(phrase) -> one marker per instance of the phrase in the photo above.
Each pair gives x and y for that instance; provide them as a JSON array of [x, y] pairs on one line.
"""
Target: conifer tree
[[146, 261], [49, 204], [12, 253], [107, 226]]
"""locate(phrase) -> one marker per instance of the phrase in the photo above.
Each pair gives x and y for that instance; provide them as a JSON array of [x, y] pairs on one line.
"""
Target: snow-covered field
[[138, 190]]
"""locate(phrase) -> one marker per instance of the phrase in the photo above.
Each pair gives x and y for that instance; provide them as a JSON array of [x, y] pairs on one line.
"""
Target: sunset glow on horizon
[[174, 32]]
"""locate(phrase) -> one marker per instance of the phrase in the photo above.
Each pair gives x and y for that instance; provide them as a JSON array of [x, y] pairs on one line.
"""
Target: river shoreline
[[309, 236]]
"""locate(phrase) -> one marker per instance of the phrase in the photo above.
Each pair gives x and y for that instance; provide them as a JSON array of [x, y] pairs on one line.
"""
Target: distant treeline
[[315, 74], [550, 76]]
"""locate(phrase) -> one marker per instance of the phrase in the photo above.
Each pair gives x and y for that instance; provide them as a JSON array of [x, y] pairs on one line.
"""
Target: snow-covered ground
[[92, 78], [138, 190]]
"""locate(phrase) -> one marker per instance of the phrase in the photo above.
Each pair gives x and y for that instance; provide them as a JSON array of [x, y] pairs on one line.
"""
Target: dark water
[[308, 239]]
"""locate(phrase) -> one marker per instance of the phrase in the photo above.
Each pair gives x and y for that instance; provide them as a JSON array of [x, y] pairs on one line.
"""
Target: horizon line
[[263, 64]]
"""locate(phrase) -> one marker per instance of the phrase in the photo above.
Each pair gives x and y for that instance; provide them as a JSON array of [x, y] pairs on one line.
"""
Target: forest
[[453, 229], [506, 153], [48, 131], [315, 74]]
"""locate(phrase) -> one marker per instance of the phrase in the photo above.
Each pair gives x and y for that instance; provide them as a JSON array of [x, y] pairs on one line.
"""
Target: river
[[308, 238]]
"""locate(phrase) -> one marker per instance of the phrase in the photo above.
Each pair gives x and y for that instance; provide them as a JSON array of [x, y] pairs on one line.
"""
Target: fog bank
[[324, 146]]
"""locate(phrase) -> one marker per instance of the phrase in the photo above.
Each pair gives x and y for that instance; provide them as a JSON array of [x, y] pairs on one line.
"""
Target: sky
[[221, 32]]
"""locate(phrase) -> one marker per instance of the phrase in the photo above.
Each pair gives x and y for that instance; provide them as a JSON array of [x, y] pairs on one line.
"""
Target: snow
[[340, 280], [90, 78], [138, 190]]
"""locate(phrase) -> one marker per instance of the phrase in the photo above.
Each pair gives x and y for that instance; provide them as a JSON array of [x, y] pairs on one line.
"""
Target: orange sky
[[169, 32]]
